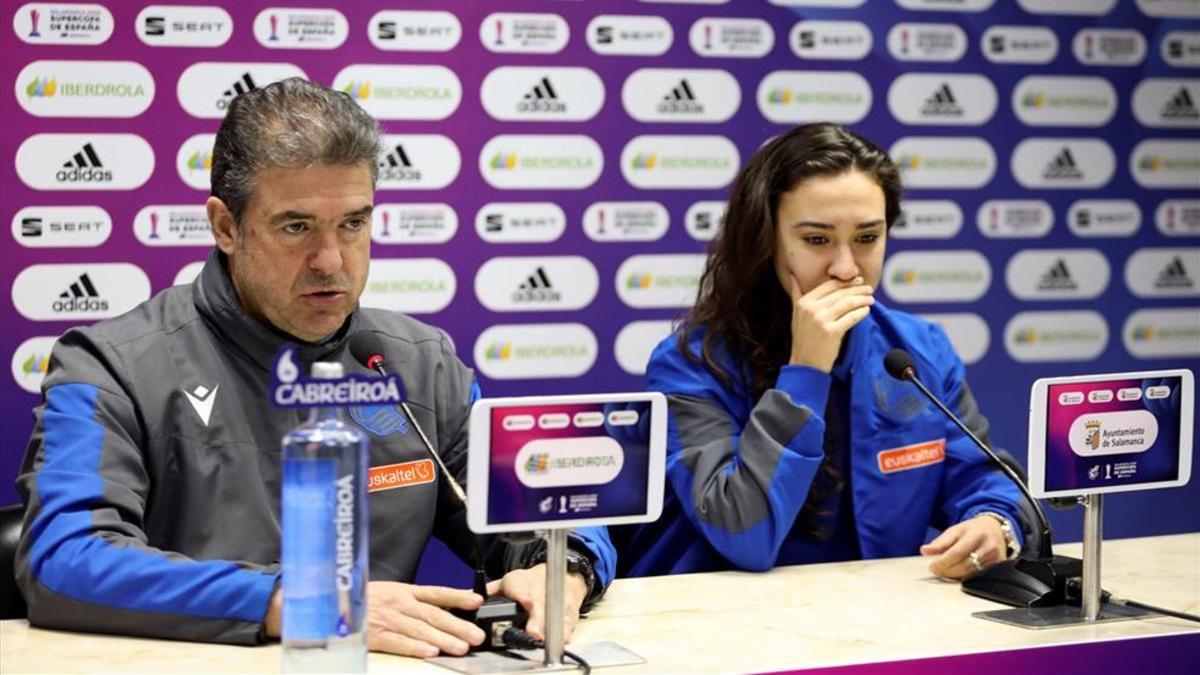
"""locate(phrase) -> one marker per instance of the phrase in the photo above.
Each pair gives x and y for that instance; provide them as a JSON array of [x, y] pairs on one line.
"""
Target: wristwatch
[[1013, 550], [577, 563]]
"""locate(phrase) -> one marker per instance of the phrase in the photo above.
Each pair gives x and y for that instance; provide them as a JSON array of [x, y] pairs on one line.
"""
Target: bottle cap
[[322, 370]]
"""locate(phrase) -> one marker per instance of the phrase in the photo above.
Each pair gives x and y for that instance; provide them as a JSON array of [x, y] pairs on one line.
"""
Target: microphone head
[[899, 364], [367, 349]]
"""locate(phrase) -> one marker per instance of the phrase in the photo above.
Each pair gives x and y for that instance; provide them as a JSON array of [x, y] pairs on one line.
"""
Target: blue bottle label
[[310, 549]]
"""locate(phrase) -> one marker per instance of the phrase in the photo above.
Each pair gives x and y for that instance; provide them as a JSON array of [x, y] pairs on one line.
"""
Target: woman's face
[[831, 227]]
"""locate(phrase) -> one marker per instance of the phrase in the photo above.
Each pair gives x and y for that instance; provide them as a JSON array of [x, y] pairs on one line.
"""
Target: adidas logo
[[396, 166], [1181, 107], [942, 103], [680, 100], [537, 288], [1174, 275], [1057, 278], [1063, 167], [80, 296], [241, 86], [541, 99], [84, 167]]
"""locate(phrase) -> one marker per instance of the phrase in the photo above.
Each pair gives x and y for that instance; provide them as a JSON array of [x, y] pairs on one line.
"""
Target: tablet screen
[[565, 462], [1112, 433]]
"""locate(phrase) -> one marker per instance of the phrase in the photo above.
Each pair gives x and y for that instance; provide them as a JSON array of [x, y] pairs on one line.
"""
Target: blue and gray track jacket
[[152, 480], [739, 470]]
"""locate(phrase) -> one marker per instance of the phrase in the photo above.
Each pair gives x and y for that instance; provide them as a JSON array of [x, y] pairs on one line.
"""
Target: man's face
[[299, 258], [831, 227]]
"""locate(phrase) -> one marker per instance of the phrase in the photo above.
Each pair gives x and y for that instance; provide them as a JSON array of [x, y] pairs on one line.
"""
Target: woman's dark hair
[[741, 305]]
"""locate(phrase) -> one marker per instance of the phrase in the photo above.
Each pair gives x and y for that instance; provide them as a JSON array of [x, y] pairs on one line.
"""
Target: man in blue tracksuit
[[788, 441]]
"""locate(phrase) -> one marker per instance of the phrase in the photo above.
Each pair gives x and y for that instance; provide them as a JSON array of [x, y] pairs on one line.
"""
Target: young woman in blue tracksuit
[[788, 441]]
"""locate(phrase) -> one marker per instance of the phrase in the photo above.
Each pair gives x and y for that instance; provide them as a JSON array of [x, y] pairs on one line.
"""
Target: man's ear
[[224, 227]]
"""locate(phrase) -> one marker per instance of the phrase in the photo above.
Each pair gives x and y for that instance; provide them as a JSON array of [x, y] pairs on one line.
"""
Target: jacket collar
[[217, 302]]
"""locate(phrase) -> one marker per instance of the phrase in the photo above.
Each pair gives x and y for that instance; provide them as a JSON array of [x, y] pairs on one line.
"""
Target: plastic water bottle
[[325, 563]]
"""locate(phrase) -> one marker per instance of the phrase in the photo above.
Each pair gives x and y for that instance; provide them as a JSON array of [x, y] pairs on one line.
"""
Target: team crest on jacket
[[381, 420]]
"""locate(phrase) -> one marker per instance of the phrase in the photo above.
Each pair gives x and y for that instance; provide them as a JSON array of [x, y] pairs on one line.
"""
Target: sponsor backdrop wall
[[554, 170]]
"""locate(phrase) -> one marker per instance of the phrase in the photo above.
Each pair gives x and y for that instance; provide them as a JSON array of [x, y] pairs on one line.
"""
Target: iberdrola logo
[[639, 281], [1150, 163], [781, 96], [499, 351], [1027, 336], [504, 161], [45, 87], [1143, 333], [909, 162], [644, 161], [538, 462], [358, 91], [904, 276], [36, 364], [200, 161], [1034, 99]]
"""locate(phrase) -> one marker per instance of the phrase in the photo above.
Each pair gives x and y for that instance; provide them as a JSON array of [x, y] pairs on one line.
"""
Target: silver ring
[[974, 558]]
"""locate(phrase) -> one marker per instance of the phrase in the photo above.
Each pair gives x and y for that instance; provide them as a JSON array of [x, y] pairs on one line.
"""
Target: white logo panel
[[1169, 9], [1015, 218], [407, 31], [950, 162], [173, 225], [1063, 163], [535, 351], [1163, 333], [1109, 47], [731, 38], [1104, 218], [1178, 217], [179, 26], [520, 222], [402, 92], [45, 23], [205, 89], [626, 221], [417, 162], [637, 341], [1181, 49], [587, 461], [942, 276], [942, 99], [1053, 100], [927, 219], [1057, 274], [413, 223], [1162, 163], [188, 273], [84, 161], [30, 362], [831, 40], [946, 5], [704, 219], [1032, 337], [79, 292], [300, 28], [929, 42], [627, 35], [679, 162], [1164, 273], [194, 161], [515, 162], [61, 226], [412, 285], [795, 96], [524, 33], [1161, 102], [968, 334], [536, 93], [1019, 44], [1079, 7], [676, 95], [660, 281], [536, 284], [84, 89]]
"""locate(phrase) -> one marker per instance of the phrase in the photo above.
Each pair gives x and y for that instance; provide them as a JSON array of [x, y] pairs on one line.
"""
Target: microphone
[[1036, 578], [497, 612]]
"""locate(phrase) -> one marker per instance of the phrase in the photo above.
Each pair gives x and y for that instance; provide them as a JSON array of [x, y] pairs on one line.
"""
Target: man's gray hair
[[292, 123]]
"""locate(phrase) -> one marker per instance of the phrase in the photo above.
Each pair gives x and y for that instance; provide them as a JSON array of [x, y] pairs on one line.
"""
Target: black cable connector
[[517, 638], [1074, 592]]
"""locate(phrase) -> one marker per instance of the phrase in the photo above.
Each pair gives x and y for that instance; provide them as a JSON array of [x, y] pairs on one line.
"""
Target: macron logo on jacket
[[202, 399]]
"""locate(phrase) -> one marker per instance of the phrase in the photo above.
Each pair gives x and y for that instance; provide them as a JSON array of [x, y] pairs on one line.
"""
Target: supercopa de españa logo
[[289, 389]]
